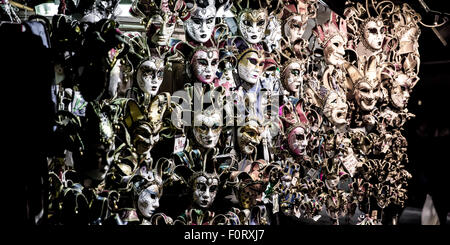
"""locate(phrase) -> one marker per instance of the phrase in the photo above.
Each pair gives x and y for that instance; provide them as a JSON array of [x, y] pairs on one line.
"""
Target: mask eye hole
[[252, 61], [247, 23], [373, 30], [197, 21], [261, 23], [202, 62], [213, 188], [214, 62], [210, 20], [295, 72]]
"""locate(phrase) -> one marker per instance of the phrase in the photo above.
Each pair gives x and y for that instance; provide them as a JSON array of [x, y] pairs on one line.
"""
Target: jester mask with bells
[[200, 25], [294, 16], [332, 37], [296, 128], [366, 86], [147, 186], [252, 18]]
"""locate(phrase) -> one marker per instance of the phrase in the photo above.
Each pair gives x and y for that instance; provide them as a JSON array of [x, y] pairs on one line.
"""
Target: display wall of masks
[[278, 108]]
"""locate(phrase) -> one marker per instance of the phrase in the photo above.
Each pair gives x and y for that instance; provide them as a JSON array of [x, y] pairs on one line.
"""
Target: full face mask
[[335, 109], [143, 138], [227, 69], [249, 136], [204, 190], [250, 67], [207, 129], [294, 27], [150, 75], [367, 94], [165, 31], [400, 91], [204, 64], [334, 51], [148, 200], [293, 77], [252, 24], [373, 33], [298, 141], [201, 24]]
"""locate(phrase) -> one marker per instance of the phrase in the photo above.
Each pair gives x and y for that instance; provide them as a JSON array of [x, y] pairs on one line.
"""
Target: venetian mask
[[298, 141], [252, 24], [293, 77], [250, 67], [165, 31], [272, 39], [205, 190], [201, 24], [400, 91], [207, 129], [294, 27], [334, 51], [373, 34], [367, 94], [249, 136], [204, 64], [150, 75], [335, 109], [148, 200], [143, 138]]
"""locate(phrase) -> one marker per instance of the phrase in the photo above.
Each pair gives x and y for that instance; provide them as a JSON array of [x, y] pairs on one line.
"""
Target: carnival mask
[[373, 34], [335, 109], [207, 129], [165, 31], [249, 137], [367, 94], [143, 138], [274, 34], [148, 200], [204, 64], [205, 190], [400, 91], [250, 67], [334, 51], [252, 24], [201, 24], [293, 77], [294, 27], [150, 75], [298, 141]]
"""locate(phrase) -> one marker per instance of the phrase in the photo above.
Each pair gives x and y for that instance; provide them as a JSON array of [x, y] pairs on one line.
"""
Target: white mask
[[207, 129], [148, 200], [293, 77], [201, 24], [294, 28], [205, 190], [335, 109], [252, 24], [150, 75], [298, 141], [334, 51], [400, 91], [205, 63], [250, 67], [366, 95], [374, 34]]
